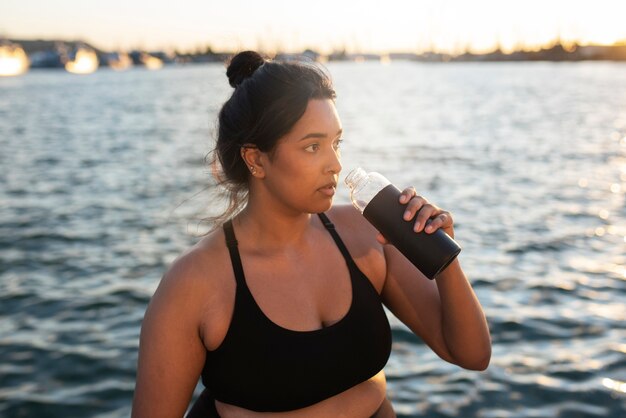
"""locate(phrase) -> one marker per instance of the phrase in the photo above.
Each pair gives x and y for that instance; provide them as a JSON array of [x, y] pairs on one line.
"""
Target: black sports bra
[[264, 367]]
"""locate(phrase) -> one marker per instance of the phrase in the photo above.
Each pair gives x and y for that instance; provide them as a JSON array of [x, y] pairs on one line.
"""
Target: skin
[[281, 242]]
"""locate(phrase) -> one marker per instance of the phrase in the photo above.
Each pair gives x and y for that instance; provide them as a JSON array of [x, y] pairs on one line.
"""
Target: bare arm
[[171, 352], [445, 313], [465, 328]]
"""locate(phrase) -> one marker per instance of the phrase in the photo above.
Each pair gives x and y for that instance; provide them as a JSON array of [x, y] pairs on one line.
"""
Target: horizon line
[[208, 47]]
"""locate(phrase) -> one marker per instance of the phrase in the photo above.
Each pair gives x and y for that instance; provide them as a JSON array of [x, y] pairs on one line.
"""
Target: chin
[[320, 207], [327, 206]]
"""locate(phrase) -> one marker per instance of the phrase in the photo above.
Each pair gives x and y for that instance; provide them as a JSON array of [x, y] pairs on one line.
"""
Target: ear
[[253, 158]]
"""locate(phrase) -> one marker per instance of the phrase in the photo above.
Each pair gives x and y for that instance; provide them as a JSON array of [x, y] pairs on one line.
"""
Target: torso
[[320, 301], [361, 401]]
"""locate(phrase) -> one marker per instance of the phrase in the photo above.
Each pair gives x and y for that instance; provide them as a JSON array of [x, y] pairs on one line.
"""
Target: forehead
[[320, 116]]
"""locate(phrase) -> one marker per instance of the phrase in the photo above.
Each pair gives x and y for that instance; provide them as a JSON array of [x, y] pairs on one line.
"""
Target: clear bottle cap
[[364, 186], [356, 176]]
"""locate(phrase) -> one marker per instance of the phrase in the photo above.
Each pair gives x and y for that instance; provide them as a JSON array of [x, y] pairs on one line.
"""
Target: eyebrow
[[319, 135]]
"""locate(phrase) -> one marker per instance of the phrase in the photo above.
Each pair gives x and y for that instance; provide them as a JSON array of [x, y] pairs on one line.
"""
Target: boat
[[119, 61], [13, 59], [151, 62], [85, 61]]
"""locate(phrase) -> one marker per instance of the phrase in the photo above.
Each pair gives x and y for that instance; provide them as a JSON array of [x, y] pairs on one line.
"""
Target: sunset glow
[[86, 62], [13, 60], [151, 63], [353, 26]]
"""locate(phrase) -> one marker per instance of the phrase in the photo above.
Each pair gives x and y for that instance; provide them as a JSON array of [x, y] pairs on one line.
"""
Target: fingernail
[[407, 215], [429, 228], [416, 228]]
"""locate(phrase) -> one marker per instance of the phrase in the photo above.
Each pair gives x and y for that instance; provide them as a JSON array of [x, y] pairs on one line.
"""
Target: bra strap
[[333, 232], [235, 259]]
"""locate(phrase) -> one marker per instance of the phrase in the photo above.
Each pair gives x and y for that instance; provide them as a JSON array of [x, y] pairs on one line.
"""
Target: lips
[[328, 189]]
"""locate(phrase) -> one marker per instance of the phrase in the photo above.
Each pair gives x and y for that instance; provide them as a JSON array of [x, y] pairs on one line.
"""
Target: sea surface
[[103, 183]]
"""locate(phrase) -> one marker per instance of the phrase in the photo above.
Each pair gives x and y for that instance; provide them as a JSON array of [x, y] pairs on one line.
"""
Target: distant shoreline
[[558, 52]]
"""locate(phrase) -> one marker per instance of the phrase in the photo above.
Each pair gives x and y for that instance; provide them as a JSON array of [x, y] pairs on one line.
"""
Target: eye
[[313, 147], [337, 144]]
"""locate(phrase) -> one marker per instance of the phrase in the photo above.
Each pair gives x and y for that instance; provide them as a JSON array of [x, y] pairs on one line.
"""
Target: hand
[[429, 217]]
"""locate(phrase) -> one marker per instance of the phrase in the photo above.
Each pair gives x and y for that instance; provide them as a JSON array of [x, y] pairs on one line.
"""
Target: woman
[[280, 310]]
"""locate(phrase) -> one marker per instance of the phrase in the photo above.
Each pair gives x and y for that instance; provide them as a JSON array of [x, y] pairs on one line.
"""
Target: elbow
[[480, 365], [477, 362]]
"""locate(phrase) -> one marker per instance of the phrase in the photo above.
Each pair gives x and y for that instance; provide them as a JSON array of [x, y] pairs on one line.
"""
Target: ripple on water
[[99, 195]]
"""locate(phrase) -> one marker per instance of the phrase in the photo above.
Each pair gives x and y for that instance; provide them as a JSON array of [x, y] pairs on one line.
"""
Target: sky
[[324, 25]]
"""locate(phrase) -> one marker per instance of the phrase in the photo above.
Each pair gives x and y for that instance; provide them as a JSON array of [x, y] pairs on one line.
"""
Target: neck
[[269, 226]]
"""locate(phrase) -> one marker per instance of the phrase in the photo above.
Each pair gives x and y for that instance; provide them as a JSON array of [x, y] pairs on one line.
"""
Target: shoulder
[[348, 215], [200, 264], [351, 223], [195, 279], [204, 260], [360, 238], [172, 344]]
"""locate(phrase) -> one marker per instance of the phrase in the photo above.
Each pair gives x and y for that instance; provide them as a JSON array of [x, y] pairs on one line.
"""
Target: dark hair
[[269, 98]]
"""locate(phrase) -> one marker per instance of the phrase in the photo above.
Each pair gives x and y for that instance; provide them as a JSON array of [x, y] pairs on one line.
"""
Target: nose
[[334, 163]]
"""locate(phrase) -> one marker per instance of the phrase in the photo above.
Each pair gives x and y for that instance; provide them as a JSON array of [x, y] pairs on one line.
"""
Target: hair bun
[[242, 66]]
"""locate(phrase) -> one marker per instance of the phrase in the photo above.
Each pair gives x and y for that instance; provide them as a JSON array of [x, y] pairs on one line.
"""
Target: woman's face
[[304, 169]]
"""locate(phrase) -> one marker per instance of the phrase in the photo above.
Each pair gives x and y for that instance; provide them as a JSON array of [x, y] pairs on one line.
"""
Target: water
[[103, 181]]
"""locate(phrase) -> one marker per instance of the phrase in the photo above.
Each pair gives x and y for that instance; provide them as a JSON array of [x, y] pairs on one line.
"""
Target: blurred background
[[512, 115]]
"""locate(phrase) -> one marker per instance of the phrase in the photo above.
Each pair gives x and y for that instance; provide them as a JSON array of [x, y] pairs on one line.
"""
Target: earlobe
[[251, 156]]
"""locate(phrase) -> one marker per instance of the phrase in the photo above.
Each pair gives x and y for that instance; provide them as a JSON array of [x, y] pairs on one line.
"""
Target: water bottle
[[379, 202]]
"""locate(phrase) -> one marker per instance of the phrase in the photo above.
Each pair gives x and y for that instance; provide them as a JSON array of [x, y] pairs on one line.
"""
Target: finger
[[407, 194], [443, 220], [426, 212], [381, 239], [413, 207]]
